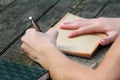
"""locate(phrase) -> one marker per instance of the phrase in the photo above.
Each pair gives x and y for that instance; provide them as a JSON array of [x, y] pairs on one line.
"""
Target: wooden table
[[14, 21]]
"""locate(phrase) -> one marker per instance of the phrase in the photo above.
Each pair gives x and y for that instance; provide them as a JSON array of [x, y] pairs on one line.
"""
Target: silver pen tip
[[30, 17]]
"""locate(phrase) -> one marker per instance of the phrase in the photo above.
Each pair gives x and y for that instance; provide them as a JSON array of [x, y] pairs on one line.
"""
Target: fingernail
[[102, 42], [62, 24], [71, 35]]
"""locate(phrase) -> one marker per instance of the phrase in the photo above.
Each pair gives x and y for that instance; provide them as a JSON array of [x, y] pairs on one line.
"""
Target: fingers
[[84, 30], [26, 38], [74, 24], [24, 47], [69, 25], [30, 30], [110, 38], [28, 34]]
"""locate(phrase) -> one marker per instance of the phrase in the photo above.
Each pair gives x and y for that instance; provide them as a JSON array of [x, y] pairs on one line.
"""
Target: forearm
[[62, 68], [109, 67]]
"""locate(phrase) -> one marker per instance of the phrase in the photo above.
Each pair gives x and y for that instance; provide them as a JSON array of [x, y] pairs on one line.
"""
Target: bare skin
[[109, 26], [41, 48]]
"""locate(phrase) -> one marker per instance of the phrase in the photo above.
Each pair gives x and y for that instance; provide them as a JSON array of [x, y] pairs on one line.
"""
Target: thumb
[[52, 34], [107, 40]]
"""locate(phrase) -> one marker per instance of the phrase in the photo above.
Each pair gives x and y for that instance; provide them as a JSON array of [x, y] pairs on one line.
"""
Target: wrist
[[47, 55]]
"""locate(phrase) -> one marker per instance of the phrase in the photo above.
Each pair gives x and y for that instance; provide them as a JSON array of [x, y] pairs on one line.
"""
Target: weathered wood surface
[[20, 57], [5, 3], [13, 20], [112, 9]]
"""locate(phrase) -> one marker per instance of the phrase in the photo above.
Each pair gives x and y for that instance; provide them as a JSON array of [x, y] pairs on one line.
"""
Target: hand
[[35, 44], [109, 26]]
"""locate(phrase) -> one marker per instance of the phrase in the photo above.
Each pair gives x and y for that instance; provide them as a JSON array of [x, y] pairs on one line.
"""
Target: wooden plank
[[16, 54], [112, 9], [57, 12], [84, 10], [78, 7], [15, 18], [90, 8], [5, 3]]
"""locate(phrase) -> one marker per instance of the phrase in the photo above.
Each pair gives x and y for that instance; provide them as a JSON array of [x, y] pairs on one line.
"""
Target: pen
[[36, 26]]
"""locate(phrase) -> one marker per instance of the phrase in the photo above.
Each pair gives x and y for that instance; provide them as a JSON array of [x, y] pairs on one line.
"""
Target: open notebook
[[83, 45]]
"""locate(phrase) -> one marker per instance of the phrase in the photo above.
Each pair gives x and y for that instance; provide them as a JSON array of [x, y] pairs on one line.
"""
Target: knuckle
[[24, 39], [22, 46], [101, 18], [97, 21], [100, 21], [30, 30]]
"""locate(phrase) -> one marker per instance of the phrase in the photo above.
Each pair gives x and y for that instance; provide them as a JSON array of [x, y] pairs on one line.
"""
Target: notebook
[[83, 45]]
